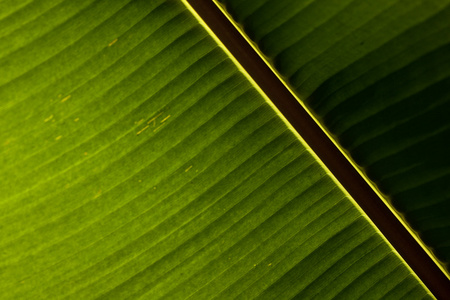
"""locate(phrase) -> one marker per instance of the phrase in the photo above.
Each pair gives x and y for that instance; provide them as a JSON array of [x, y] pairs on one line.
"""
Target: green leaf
[[138, 161], [376, 74]]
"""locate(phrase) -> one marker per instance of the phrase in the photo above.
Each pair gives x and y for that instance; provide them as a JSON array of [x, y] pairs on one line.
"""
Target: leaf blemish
[[142, 130], [154, 119], [65, 98], [165, 119], [112, 43], [49, 118]]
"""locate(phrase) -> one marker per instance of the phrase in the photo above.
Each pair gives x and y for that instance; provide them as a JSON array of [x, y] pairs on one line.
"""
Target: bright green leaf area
[[376, 73], [139, 162]]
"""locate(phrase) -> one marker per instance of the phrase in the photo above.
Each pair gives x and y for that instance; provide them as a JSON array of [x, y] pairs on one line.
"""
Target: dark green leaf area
[[376, 74]]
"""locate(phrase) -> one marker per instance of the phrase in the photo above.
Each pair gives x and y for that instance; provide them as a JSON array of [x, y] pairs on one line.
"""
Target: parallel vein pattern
[[138, 162], [376, 74]]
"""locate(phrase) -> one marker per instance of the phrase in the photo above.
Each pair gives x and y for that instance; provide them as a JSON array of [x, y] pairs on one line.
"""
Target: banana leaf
[[376, 75], [138, 161]]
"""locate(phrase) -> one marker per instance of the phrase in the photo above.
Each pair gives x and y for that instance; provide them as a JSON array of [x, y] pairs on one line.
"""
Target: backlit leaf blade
[[137, 161]]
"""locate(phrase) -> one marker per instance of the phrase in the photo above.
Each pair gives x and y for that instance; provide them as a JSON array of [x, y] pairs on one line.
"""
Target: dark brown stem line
[[320, 143]]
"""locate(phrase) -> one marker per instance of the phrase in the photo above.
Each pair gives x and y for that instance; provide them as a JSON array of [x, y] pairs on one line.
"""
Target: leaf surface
[[375, 74], [138, 161]]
